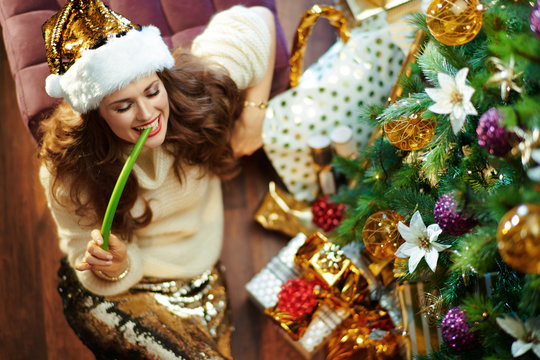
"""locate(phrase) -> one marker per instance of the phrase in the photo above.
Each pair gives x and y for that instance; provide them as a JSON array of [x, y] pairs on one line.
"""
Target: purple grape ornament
[[448, 217], [456, 332], [534, 20], [492, 136]]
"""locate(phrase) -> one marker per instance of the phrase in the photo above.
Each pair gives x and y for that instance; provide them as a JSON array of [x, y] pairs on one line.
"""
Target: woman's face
[[143, 103]]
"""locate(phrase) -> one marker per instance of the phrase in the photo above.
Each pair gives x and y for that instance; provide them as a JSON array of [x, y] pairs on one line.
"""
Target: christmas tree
[[450, 190]]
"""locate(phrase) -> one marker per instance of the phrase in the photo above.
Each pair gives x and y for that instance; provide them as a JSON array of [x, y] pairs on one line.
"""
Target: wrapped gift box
[[421, 330], [265, 286], [365, 13]]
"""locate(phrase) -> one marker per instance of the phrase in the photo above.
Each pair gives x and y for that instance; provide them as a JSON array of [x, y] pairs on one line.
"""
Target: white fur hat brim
[[110, 67]]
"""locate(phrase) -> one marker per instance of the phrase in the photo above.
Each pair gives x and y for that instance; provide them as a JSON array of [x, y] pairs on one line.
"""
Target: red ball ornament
[[326, 214], [297, 297]]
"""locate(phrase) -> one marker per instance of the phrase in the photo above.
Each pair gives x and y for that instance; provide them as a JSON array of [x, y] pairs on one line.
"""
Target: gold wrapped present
[[361, 13], [423, 336], [321, 259], [394, 9], [382, 269], [298, 301], [368, 335], [314, 329], [295, 327], [281, 212]]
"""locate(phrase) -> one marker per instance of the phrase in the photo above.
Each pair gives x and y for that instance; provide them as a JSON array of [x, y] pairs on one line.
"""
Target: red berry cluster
[[297, 297], [327, 215]]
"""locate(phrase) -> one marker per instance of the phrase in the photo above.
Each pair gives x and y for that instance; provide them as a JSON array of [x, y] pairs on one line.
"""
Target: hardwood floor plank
[[19, 258]]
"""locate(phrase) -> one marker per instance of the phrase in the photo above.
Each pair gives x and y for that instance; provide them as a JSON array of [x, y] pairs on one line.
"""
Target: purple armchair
[[179, 21]]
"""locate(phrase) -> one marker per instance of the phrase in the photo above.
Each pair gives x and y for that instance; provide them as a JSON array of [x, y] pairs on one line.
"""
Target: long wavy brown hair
[[85, 157]]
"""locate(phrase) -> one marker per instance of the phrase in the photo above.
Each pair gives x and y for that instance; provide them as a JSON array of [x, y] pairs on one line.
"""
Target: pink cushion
[[11, 8], [171, 9], [142, 12], [34, 102], [179, 21], [185, 37], [25, 45]]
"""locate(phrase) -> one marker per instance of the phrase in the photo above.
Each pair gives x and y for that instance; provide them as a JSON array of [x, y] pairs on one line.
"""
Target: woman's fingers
[[96, 236], [98, 252], [98, 259], [83, 266], [117, 248], [95, 256], [92, 260]]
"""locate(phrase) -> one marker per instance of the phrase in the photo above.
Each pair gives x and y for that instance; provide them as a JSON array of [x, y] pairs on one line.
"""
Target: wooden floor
[[32, 325]]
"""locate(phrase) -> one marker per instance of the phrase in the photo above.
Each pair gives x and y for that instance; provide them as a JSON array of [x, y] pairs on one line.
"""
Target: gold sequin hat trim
[[92, 51]]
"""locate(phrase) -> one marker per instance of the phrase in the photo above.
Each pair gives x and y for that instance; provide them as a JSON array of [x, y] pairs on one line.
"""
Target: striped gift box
[[423, 336], [264, 287]]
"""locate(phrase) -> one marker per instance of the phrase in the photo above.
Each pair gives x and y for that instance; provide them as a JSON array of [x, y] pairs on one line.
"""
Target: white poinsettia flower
[[453, 97], [534, 173], [527, 334], [420, 242]]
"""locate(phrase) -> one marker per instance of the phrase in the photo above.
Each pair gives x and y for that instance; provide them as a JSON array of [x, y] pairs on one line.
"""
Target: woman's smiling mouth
[[154, 124]]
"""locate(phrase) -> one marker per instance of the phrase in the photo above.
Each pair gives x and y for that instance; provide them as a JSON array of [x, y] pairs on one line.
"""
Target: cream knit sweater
[[186, 233]]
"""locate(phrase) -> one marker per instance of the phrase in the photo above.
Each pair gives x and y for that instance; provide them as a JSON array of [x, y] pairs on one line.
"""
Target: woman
[[157, 292]]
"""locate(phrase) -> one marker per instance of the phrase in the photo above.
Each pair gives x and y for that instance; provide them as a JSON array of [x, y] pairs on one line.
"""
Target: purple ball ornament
[[449, 218], [534, 20], [492, 136], [456, 332]]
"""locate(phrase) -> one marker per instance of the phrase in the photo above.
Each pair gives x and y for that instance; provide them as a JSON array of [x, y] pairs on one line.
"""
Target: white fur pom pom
[[52, 86]]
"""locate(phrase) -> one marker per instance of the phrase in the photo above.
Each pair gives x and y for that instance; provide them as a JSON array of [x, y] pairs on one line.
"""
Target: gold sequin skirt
[[155, 319]]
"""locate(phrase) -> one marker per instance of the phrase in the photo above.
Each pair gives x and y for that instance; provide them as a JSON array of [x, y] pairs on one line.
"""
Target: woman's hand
[[247, 133], [112, 263]]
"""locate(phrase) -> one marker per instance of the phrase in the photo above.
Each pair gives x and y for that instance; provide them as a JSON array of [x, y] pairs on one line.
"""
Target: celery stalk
[[119, 187]]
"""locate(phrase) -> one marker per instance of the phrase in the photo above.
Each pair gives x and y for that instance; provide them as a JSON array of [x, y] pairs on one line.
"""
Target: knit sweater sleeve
[[73, 240], [239, 40]]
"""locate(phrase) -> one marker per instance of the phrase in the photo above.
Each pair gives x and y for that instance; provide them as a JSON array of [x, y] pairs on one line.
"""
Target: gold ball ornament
[[518, 238], [410, 133], [454, 22], [381, 235]]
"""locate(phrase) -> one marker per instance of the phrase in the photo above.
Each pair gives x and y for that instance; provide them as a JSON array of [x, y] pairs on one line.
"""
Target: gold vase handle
[[334, 17]]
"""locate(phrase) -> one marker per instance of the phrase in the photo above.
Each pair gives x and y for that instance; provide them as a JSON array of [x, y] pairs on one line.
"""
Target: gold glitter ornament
[[410, 133], [380, 234], [518, 238], [454, 22]]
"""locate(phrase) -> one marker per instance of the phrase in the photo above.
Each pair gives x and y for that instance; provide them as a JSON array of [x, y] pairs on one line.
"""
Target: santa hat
[[93, 51]]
